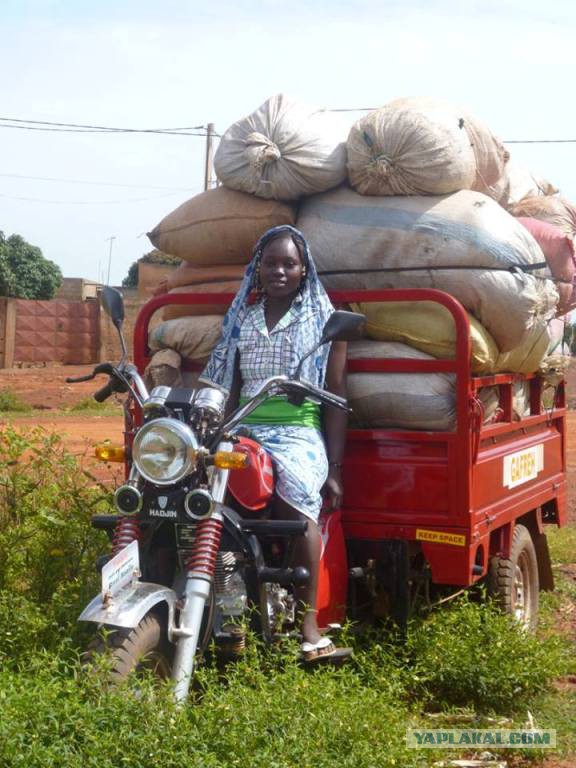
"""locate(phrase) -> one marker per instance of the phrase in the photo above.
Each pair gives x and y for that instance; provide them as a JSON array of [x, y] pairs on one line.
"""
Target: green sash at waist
[[277, 410]]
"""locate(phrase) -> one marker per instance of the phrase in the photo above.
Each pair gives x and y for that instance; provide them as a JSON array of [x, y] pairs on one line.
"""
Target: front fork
[[200, 568]]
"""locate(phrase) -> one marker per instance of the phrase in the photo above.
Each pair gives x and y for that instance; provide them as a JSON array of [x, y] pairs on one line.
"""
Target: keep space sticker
[[523, 466], [441, 537]]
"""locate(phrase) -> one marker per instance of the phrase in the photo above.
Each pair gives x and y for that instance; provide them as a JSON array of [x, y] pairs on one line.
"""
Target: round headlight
[[165, 451]]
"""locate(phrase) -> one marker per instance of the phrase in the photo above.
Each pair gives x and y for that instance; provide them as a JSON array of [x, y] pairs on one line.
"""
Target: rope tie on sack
[[381, 167], [260, 151]]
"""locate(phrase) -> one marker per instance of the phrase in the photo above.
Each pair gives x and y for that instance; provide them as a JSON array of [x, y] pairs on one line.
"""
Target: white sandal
[[323, 648]]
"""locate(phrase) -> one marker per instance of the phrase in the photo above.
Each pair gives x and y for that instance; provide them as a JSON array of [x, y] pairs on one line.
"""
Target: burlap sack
[[424, 401], [173, 311], [464, 244], [422, 147], [283, 150], [554, 210], [218, 227], [193, 338], [429, 327], [516, 183]]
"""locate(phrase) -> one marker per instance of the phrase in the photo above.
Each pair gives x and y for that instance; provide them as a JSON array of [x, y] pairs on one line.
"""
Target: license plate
[[120, 571]]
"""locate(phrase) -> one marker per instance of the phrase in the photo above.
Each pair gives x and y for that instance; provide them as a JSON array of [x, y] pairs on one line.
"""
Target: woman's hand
[[333, 488]]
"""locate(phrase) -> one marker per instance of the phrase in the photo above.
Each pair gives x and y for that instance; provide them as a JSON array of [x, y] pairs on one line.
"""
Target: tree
[[24, 272], [131, 279], [152, 257]]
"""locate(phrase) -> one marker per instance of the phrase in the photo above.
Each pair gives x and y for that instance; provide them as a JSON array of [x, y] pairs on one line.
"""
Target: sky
[[151, 64]]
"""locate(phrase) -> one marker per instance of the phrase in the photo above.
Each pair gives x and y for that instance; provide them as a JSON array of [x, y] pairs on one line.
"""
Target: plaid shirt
[[264, 354]]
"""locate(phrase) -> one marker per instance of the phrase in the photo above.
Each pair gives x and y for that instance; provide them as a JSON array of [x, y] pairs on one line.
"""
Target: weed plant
[[89, 406], [10, 402], [47, 546], [265, 711]]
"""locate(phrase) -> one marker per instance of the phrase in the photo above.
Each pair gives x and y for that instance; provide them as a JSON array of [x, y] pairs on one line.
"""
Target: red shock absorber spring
[[126, 531], [205, 548]]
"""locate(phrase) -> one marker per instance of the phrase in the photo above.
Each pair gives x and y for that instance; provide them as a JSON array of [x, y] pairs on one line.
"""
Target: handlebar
[[100, 368], [123, 378], [280, 385]]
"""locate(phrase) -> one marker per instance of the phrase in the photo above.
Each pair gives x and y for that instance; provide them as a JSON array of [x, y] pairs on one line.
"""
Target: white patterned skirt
[[300, 464]]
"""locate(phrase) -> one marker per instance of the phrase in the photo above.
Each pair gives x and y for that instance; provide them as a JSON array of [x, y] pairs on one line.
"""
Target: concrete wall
[[56, 331], [77, 289]]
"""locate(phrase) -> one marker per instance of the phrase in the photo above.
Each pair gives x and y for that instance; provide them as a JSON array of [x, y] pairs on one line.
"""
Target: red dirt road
[[46, 391]]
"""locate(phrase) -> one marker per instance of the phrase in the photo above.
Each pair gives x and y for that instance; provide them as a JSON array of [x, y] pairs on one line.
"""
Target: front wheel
[[145, 648], [514, 582]]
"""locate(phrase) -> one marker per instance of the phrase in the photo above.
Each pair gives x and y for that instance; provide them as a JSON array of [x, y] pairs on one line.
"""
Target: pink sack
[[558, 248]]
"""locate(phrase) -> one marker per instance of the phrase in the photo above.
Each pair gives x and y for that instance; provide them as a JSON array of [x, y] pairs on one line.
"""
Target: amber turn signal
[[231, 460], [110, 452]]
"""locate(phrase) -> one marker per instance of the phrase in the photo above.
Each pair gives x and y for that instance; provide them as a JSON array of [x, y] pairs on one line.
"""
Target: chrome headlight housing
[[165, 451]]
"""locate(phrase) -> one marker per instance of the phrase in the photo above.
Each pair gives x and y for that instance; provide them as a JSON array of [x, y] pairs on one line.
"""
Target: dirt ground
[[45, 390]]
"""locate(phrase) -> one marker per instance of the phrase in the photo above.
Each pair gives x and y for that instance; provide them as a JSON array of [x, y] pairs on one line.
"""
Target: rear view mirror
[[343, 326], [113, 304]]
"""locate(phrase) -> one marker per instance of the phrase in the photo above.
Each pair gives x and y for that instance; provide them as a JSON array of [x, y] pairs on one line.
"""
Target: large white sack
[[516, 183], [464, 244], [283, 150], [422, 147], [425, 401]]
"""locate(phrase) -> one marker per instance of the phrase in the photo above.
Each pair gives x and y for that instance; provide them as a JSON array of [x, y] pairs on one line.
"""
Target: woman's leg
[[306, 553]]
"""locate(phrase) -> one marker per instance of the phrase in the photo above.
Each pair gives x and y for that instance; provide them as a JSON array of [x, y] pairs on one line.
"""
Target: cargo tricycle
[[196, 558]]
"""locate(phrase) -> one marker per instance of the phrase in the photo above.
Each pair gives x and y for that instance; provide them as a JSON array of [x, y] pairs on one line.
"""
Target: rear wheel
[[143, 649], [513, 581]]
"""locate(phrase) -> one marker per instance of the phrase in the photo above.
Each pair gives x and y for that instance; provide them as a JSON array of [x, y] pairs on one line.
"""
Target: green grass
[[562, 543], [89, 406], [10, 402], [465, 660]]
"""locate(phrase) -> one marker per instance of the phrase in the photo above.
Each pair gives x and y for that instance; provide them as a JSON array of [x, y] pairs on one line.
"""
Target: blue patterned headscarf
[[313, 305]]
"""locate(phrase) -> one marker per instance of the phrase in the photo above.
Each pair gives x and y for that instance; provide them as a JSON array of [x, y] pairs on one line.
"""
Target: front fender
[[129, 607]]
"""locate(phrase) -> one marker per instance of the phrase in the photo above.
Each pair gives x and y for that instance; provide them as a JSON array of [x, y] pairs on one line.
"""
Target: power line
[[89, 128], [87, 202], [94, 130], [540, 141], [352, 109], [102, 127], [93, 183]]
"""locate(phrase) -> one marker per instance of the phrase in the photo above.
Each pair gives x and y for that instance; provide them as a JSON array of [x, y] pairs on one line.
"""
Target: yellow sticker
[[441, 537]]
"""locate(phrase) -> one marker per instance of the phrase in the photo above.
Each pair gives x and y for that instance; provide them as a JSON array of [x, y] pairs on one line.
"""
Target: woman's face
[[281, 268]]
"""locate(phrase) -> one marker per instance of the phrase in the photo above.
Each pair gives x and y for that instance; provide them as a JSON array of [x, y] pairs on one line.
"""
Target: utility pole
[[208, 164], [111, 241]]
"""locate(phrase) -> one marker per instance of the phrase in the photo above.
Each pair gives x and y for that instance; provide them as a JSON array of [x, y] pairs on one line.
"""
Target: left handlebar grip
[[104, 392]]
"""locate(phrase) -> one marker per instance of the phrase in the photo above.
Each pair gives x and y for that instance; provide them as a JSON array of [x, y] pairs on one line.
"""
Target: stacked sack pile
[[421, 195]]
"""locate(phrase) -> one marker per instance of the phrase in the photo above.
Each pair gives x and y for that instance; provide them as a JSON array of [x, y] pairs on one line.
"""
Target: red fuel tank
[[333, 572], [252, 487]]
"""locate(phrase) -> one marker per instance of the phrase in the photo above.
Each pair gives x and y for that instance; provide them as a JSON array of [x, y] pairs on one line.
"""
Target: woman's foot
[[310, 632]]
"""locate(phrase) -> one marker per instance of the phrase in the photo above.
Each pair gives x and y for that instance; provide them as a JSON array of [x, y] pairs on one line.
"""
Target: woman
[[267, 338]]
